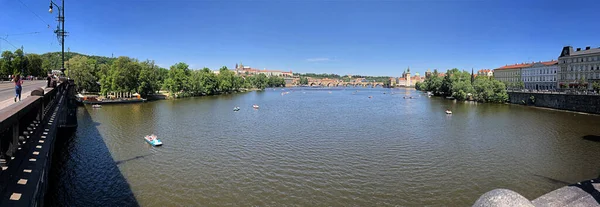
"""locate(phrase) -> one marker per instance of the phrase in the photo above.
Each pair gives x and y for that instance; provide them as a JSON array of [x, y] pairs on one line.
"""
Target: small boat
[[255, 106], [153, 140], [370, 96], [236, 108], [448, 112], [329, 91], [97, 106], [404, 97]]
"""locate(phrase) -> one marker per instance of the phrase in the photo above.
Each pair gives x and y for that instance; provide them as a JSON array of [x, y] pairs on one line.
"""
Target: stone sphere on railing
[[37, 92]]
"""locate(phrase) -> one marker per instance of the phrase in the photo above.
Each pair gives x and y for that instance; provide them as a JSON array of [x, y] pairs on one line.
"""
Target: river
[[319, 147]]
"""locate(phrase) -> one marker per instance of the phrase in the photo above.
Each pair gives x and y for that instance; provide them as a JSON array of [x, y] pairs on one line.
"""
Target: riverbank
[[569, 102], [167, 95]]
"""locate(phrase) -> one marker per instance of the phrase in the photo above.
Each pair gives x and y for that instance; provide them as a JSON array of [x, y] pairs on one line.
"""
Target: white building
[[540, 76], [577, 65], [485, 72]]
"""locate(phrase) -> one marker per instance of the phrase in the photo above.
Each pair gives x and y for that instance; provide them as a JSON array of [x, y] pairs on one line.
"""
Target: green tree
[[581, 84], [148, 79], [303, 81], [596, 87], [34, 66], [261, 81], [7, 65], [462, 89], [274, 81], [226, 79], [210, 82], [106, 78], [177, 80], [124, 74], [81, 70]]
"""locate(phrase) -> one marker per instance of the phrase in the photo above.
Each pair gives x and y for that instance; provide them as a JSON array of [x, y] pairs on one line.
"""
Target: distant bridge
[[336, 83]]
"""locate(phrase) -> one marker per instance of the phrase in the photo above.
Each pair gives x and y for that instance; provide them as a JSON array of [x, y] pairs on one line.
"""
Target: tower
[[408, 81]]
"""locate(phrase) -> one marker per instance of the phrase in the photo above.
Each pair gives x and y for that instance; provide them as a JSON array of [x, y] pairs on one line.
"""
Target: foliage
[[124, 74], [458, 84], [303, 81], [148, 82], [82, 71], [596, 86], [34, 66]]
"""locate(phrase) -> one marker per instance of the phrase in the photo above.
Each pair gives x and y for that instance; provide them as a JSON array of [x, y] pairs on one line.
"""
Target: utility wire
[[9, 43], [27, 33], [38, 16]]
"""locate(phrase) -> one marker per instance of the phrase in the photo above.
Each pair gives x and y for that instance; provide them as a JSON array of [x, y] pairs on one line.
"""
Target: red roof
[[552, 62], [484, 71], [515, 66]]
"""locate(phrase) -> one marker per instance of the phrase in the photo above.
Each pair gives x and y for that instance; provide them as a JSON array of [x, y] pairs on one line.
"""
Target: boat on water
[[370, 96], [237, 108], [153, 140], [97, 106], [255, 106], [448, 112]]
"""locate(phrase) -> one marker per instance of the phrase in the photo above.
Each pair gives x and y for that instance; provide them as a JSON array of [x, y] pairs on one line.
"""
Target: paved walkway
[[7, 91]]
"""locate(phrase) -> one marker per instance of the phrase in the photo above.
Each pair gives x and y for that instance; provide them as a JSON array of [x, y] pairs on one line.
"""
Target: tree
[[274, 81], [124, 73], [226, 79], [489, 90], [177, 80], [81, 70], [34, 66], [105, 75], [303, 81], [210, 82], [581, 84], [596, 87], [148, 78], [261, 81], [7, 67]]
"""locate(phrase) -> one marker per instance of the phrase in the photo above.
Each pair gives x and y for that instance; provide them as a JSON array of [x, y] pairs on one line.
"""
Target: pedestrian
[[18, 87]]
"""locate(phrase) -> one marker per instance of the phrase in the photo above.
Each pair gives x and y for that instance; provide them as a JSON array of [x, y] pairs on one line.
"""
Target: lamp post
[[60, 30]]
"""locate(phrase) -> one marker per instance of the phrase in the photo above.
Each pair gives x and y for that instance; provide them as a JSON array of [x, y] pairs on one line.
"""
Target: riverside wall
[[570, 102]]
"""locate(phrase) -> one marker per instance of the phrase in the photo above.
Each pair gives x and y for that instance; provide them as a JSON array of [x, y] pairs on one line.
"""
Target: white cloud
[[317, 59]]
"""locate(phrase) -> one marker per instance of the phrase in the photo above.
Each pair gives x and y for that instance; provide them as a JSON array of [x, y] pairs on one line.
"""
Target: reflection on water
[[315, 148]]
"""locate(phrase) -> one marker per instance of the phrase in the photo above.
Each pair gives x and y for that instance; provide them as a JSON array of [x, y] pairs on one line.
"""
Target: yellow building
[[510, 73]]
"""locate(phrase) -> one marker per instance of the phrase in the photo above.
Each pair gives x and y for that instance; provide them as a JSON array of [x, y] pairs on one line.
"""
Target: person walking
[[18, 87]]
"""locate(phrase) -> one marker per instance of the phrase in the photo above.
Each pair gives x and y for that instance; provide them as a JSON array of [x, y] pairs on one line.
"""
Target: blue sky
[[333, 36]]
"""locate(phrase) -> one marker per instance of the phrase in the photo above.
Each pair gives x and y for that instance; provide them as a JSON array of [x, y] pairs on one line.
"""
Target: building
[[510, 73], [485, 72], [540, 76], [427, 73], [407, 80], [247, 70], [577, 66]]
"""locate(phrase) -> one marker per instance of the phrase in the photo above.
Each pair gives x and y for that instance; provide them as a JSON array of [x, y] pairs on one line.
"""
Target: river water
[[319, 147]]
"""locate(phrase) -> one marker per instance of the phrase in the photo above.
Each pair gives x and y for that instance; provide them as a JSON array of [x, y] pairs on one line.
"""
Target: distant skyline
[[376, 38]]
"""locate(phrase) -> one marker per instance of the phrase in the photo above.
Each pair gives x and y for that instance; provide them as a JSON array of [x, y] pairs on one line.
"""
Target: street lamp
[[60, 30]]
